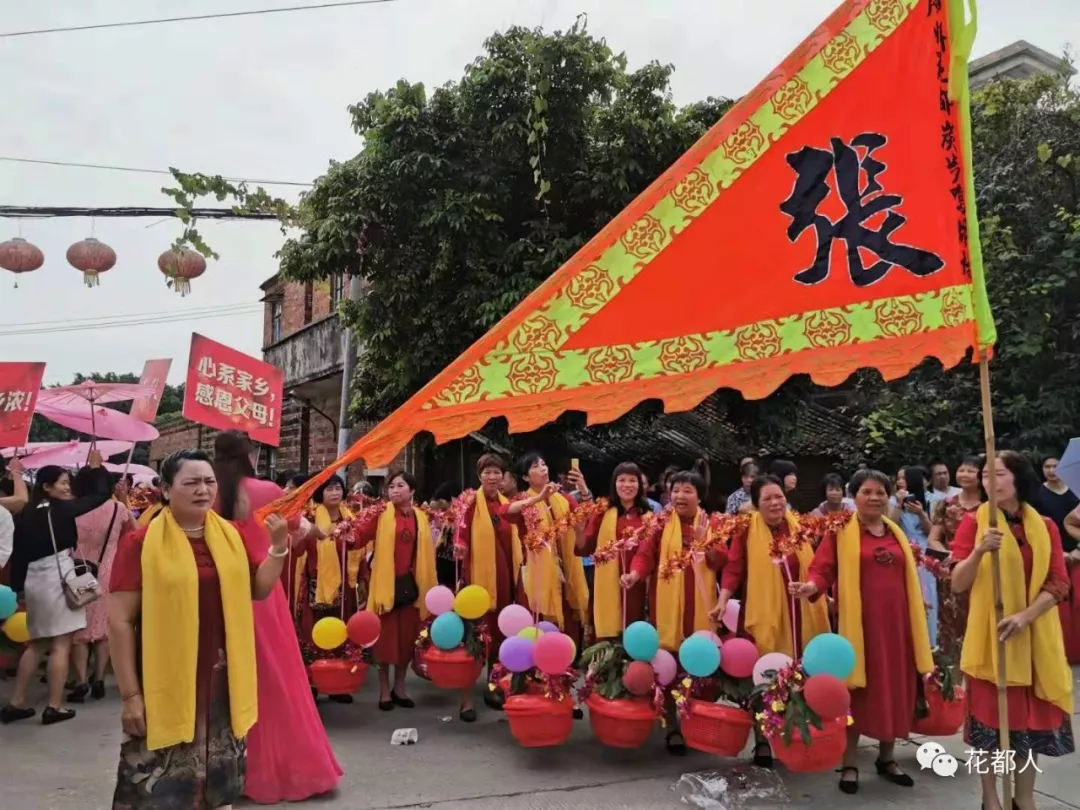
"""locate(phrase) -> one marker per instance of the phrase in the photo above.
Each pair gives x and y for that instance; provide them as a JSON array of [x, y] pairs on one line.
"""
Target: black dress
[[1058, 507]]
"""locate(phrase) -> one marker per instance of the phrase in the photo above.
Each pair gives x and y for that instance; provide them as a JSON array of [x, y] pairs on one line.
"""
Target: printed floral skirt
[[201, 775], [1058, 742]]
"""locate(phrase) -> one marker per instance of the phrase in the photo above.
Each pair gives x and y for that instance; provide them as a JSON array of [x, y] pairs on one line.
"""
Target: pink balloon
[[553, 653], [738, 656], [709, 634], [665, 666], [513, 619], [770, 661], [730, 619], [439, 600]]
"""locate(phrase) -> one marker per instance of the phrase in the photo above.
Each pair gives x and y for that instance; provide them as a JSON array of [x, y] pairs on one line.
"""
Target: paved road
[[479, 767]]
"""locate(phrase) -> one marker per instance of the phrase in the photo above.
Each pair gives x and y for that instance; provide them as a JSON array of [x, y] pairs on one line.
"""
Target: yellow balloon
[[329, 633], [472, 602], [531, 633], [15, 628]]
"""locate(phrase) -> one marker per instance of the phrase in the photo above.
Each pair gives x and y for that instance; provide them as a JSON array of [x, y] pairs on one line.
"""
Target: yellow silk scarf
[[848, 544], [149, 514], [328, 563], [170, 628], [671, 592], [482, 568], [1035, 655], [768, 609], [545, 567], [382, 573], [607, 595]]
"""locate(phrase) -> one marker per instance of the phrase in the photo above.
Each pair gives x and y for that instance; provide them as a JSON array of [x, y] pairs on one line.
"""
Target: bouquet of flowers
[[782, 706]]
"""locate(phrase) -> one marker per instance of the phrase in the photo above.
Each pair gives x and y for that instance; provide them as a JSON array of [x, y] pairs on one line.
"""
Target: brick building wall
[[301, 304]]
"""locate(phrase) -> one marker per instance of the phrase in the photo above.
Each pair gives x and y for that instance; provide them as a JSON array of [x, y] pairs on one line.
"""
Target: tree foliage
[[1027, 180], [465, 198], [172, 401]]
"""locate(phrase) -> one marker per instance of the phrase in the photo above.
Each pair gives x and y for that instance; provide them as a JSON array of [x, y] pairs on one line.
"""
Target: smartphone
[[911, 499], [574, 464]]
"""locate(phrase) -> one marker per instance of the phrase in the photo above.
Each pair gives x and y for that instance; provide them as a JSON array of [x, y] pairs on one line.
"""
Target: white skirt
[[47, 611]]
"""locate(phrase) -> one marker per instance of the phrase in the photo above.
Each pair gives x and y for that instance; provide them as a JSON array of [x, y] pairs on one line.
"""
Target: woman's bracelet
[[126, 698], [277, 555]]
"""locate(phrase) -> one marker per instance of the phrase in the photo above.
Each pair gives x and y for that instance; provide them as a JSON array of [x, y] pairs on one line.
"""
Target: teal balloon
[[641, 641], [447, 631], [699, 656], [829, 654], [8, 603]]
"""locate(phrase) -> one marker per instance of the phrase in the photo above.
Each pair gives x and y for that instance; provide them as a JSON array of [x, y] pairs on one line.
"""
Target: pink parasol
[[30, 447], [94, 393], [140, 472], [99, 422], [72, 454]]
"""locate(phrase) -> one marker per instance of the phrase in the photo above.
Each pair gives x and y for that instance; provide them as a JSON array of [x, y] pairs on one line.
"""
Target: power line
[[193, 18], [46, 212], [126, 316], [120, 324], [135, 170]]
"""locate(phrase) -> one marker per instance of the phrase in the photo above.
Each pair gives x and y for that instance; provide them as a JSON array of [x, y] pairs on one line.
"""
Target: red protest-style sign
[[154, 375], [229, 390], [19, 386]]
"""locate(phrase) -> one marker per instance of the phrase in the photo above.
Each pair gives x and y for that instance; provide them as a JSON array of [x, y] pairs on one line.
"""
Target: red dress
[[885, 708], [572, 625], [735, 582], [635, 597], [504, 559], [400, 626], [1034, 724], [309, 611], [647, 559], [1070, 608]]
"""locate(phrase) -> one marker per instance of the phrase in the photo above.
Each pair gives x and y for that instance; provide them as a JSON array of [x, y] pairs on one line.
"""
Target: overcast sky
[[265, 97]]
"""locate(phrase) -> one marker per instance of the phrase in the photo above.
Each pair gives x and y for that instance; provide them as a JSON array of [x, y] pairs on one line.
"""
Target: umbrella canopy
[[72, 454], [139, 472], [30, 448], [103, 423], [1069, 466], [94, 393]]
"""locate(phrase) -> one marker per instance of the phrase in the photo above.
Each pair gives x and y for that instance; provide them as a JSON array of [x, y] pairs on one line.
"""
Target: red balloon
[[827, 695], [639, 678], [364, 628]]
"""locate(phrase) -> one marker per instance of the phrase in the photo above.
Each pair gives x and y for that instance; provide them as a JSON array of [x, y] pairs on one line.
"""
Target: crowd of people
[[903, 574]]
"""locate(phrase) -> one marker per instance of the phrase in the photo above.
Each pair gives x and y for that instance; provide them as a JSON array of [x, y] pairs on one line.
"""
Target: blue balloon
[[829, 654], [447, 631], [641, 641], [699, 656], [8, 603]]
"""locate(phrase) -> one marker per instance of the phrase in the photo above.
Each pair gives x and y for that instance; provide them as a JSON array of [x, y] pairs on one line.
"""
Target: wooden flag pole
[[999, 605]]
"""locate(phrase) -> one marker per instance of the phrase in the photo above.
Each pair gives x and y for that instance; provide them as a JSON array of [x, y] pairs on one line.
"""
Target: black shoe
[[579, 713], [676, 744], [97, 690], [467, 715], [52, 716], [341, 698], [849, 786], [403, 702], [897, 778], [386, 705], [763, 755], [495, 699], [79, 693], [12, 714]]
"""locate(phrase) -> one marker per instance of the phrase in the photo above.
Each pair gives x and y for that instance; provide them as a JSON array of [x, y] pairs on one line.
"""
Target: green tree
[[465, 198], [1027, 180]]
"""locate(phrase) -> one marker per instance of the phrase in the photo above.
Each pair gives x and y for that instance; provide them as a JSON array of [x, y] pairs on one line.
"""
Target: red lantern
[[91, 258], [180, 266], [19, 256]]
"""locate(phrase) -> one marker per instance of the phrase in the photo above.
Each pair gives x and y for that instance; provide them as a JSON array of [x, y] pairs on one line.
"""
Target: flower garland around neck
[[721, 528], [349, 530], [539, 537]]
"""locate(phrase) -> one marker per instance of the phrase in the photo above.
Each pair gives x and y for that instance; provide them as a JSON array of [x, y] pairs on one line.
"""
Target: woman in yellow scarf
[[629, 506], [402, 572], [680, 605], [180, 593], [766, 615], [489, 546], [1033, 582], [879, 599]]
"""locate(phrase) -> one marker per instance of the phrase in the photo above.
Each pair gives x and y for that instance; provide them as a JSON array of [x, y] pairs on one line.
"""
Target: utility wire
[[193, 18], [106, 167], [46, 212], [128, 316], [121, 324]]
